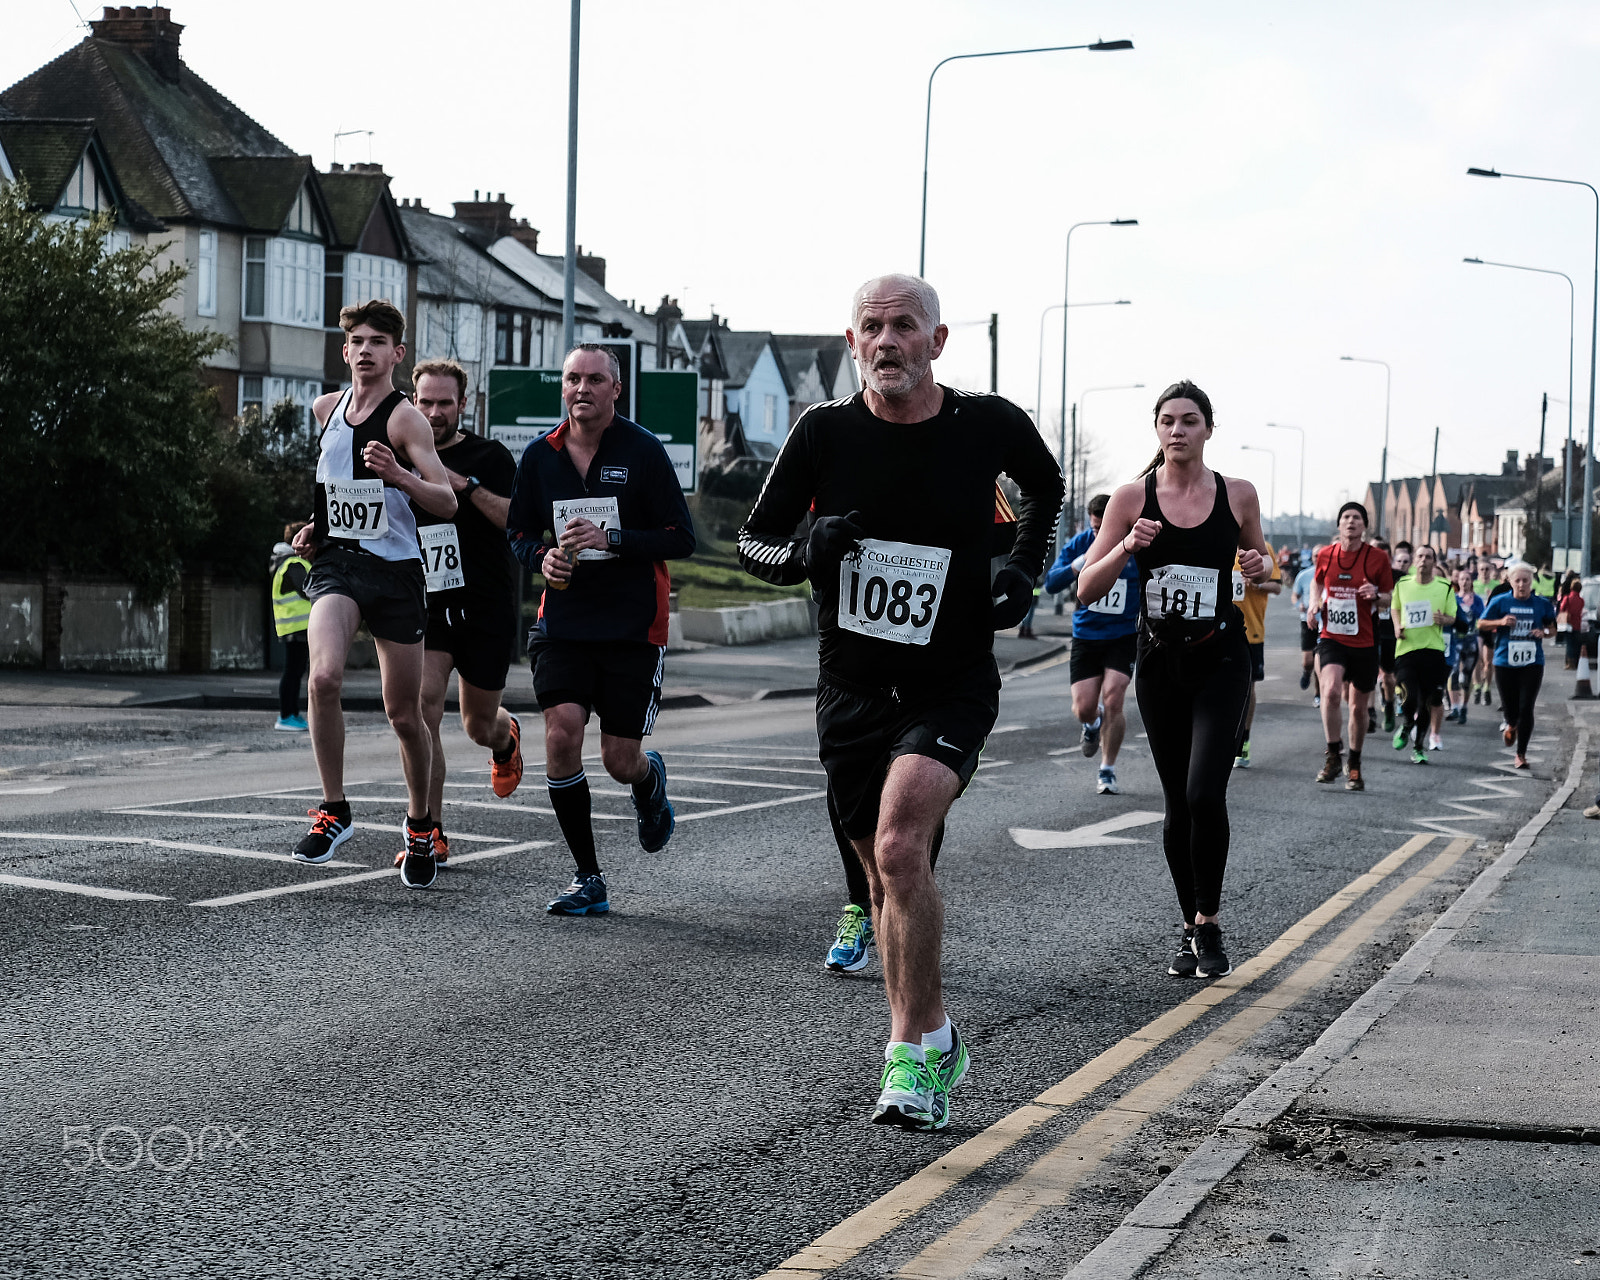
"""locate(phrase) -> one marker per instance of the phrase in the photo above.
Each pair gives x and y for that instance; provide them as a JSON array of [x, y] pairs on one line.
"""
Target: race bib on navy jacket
[[623, 597], [915, 605]]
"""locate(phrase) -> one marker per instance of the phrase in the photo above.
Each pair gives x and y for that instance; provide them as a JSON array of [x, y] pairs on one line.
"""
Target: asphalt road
[[223, 1062]]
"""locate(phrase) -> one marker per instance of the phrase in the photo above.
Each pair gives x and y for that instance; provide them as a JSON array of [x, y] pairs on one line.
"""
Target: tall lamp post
[[1300, 507], [569, 270], [1099, 46], [1066, 280], [1572, 311], [1081, 423], [1272, 489], [1038, 391], [1383, 472], [1586, 520]]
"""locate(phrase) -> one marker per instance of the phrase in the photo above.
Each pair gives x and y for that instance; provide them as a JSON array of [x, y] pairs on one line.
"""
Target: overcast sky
[[1297, 172]]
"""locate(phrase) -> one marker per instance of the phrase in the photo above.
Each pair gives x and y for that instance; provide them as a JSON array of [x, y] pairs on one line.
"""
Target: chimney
[[149, 32], [1509, 467], [593, 267], [524, 234], [360, 167], [492, 217]]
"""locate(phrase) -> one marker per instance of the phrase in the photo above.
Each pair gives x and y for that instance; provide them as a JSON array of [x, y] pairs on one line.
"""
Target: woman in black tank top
[[1193, 673]]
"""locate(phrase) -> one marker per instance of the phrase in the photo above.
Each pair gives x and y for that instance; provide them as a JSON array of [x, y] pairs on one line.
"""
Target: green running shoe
[[949, 1069], [1400, 740], [910, 1096], [1418, 756], [849, 951]]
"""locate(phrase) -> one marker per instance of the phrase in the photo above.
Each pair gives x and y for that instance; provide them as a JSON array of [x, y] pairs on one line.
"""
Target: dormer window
[[302, 219], [85, 193]]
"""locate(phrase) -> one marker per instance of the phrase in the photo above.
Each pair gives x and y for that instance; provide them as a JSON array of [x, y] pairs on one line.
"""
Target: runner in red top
[[1350, 576]]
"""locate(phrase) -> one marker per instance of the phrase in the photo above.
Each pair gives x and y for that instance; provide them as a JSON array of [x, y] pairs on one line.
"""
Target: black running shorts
[[478, 640], [1308, 638], [1360, 665], [390, 593], [1258, 661], [1091, 659], [861, 730], [1425, 670], [1386, 654], [620, 680]]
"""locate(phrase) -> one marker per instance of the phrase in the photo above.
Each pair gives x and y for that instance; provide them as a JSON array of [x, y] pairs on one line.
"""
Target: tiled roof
[[741, 349], [44, 153], [161, 136], [831, 348], [350, 198], [451, 265], [262, 188]]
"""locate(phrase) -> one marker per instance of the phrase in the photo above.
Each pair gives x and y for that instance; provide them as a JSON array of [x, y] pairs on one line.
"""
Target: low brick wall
[[105, 628]]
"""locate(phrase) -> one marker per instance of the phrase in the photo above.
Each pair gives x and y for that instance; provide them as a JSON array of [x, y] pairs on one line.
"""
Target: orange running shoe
[[441, 849], [504, 775]]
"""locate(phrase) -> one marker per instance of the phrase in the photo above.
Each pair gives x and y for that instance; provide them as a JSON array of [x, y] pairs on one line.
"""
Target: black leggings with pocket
[[1192, 701], [1519, 690]]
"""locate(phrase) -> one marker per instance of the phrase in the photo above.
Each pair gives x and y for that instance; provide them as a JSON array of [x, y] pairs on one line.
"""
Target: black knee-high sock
[[649, 788], [569, 797]]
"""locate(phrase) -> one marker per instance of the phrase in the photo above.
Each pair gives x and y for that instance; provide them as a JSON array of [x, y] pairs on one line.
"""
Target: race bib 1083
[[356, 509], [892, 590], [1182, 591], [441, 557]]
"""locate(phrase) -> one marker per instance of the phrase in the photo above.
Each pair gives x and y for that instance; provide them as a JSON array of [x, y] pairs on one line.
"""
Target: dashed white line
[[759, 804], [87, 890], [260, 854]]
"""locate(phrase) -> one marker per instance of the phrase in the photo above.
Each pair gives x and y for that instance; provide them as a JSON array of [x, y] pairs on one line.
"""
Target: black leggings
[[855, 875], [1519, 690], [296, 661], [1192, 703]]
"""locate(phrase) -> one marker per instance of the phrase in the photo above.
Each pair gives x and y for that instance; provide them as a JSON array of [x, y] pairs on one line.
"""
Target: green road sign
[[669, 407]]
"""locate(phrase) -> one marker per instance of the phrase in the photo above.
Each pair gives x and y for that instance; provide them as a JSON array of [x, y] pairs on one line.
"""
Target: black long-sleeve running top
[[923, 488]]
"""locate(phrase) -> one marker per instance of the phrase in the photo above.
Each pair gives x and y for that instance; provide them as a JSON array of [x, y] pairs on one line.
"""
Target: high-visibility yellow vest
[[291, 611], [1544, 584]]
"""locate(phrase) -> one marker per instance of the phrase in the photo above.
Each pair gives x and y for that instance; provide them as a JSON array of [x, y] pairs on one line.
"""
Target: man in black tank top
[[350, 584]]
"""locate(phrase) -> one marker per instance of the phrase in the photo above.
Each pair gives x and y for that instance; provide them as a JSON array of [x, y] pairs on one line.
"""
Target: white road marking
[[1091, 836], [710, 755], [1007, 728], [31, 791], [310, 885], [163, 844], [1063, 751], [506, 805], [88, 890], [392, 827], [759, 804], [735, 782], [994, 764], [242, 795]]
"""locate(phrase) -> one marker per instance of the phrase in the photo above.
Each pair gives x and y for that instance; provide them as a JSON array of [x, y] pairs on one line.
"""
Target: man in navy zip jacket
[[597, 509]]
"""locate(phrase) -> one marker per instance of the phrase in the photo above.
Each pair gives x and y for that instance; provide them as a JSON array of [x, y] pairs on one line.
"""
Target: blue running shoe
[[656, 818], [1106, 782], [585, 896], [849, 951], [1090, 742]]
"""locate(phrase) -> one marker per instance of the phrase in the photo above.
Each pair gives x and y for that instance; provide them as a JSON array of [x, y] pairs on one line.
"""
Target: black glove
[[1012, 593], [830, 540]]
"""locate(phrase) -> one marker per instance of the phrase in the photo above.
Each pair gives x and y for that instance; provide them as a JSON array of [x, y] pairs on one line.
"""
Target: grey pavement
[[1459, 1133]]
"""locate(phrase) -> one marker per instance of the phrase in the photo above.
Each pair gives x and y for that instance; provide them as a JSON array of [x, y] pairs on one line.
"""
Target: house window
[[513, 338], [367, 276], [502, 337], [255, 278], [84, 193], [205, 275], [771, 416], [302, 218], [469, 324], [263, 393]]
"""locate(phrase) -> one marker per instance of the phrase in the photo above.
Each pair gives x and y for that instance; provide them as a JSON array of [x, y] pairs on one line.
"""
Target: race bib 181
[[1342, 615], [892, 590], [1182, 591], [356, 509], [441, 557], [600, 512], [1419, 613], [1521, 653], [1114, 600]]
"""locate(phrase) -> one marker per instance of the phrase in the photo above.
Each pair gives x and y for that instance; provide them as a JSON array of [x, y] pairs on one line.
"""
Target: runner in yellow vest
[[291, 615]]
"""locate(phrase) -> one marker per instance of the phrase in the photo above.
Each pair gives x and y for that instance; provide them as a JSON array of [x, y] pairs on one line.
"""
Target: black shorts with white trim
[[620, 680]]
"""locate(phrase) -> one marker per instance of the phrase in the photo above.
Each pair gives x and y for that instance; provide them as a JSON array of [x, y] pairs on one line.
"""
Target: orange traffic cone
[[1585, 689]]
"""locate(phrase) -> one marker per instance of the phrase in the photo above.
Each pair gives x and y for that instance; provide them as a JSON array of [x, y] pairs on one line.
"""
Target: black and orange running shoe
[[328, 832], [504, 775], [419, 866], [441, 849]]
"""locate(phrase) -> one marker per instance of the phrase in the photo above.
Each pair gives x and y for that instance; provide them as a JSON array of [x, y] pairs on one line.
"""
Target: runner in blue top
[[1309, 628], [1520, 621], [1463, 652], [1102, 649]]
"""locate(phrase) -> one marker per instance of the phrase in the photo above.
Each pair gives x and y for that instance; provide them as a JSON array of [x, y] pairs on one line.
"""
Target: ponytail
[[1184, 390], [1153, 464]]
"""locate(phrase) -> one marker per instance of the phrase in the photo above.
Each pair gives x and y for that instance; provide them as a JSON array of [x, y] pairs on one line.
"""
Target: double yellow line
[[1052, 1178]]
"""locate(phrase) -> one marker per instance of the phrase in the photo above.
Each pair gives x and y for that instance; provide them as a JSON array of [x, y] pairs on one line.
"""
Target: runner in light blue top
[[1520, 621]]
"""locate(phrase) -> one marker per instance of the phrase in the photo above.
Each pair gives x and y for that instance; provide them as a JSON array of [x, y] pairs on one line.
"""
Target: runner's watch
[[614, 538], [472, 483]]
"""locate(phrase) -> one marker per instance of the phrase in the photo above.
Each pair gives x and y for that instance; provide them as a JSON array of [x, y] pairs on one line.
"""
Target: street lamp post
[[1272, 486], [1300, 509], [1080, 425], [1099, 46], [1383, 472], [1572, 310], [569, 271], [1066, 279], [1586, 519], [1038, 391]]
